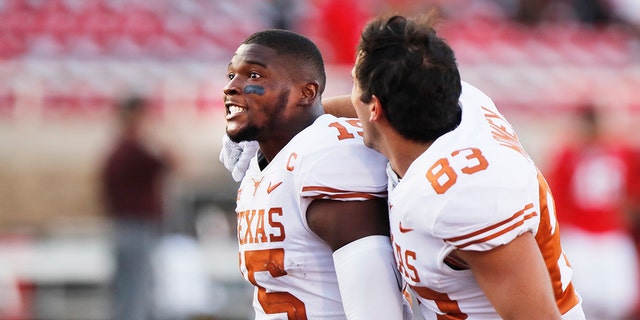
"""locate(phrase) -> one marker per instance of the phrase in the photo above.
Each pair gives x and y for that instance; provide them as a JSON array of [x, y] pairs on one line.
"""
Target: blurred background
[[65, 64]]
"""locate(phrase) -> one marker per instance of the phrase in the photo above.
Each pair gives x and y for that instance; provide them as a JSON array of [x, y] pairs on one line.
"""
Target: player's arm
[[358, 233], [514, 278], [339, 106]]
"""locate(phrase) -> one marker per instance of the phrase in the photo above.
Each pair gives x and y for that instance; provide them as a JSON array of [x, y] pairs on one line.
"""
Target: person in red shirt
[[342, 21], [132, 179], [591, 179]]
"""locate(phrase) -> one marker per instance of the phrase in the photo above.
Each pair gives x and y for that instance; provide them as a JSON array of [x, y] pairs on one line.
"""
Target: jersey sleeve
[[486, 218], [345, 172]]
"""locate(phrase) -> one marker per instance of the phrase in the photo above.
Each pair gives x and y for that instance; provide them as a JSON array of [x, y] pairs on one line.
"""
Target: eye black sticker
[[253, 89]]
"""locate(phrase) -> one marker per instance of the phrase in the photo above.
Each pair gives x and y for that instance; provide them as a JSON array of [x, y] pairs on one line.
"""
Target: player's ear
[[375, 109], [309, 92]]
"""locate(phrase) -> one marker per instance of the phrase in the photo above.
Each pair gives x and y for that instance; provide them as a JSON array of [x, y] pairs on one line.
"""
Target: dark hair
[[131, 107], [413, 73], [301, 50], [132, 104], [588, 113]]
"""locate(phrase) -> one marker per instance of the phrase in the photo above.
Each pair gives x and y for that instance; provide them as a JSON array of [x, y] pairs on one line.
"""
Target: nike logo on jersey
[[404, 230], [270, 188]]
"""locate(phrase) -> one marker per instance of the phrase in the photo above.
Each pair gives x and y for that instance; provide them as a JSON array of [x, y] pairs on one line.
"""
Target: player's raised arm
[[339, 106]]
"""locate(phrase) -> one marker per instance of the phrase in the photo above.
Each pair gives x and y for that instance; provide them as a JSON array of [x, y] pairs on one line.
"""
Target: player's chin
[[239, 133], [234, 128], [367, 142]]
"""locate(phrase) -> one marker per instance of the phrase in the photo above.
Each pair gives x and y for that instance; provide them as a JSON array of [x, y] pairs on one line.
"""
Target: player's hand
[[237, 156]]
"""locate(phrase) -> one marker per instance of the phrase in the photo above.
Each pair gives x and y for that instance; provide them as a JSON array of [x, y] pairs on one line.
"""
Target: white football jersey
[[292, 268], [475, 188]]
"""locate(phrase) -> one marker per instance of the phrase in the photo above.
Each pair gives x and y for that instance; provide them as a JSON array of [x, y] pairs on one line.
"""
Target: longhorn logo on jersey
[[256, 185]]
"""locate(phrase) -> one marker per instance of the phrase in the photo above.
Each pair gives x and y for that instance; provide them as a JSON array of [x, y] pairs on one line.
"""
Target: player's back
[[290, 266]]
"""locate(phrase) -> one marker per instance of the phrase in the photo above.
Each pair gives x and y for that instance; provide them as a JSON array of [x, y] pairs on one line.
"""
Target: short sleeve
[[484, 218], [344, 172]]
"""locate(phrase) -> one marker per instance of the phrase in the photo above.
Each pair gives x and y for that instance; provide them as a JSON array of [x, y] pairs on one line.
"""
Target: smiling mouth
[[234, 109]]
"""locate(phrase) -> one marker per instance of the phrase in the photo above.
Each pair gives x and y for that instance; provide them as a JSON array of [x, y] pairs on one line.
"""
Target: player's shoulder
[[341, 129], [487, 131], [330, 133], [332, 143], [471, 171], [471, 204], [472, 93], [330, 155]]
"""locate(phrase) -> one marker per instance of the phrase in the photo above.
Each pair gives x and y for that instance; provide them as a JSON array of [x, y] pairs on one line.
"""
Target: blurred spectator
[[528, 11], [590, 179], [633, 212], [10, 301], [282, 13], [595, 12], [590, 12], [341, 22], [132, 178]]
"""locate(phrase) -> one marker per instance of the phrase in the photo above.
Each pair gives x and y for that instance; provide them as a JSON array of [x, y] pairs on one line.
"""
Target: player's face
[[363, 111], [257, 93]]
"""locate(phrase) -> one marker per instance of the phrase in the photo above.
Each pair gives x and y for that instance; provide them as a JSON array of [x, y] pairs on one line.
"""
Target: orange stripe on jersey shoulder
[[354, 195], [333, 191], [490, 229]]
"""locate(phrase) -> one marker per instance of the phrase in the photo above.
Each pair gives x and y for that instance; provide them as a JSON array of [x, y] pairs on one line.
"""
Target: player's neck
[[271, 147], [277, 141], [402, 153]]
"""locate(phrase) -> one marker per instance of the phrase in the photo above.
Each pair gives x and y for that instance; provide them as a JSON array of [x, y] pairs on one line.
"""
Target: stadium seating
[[118, 41]]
